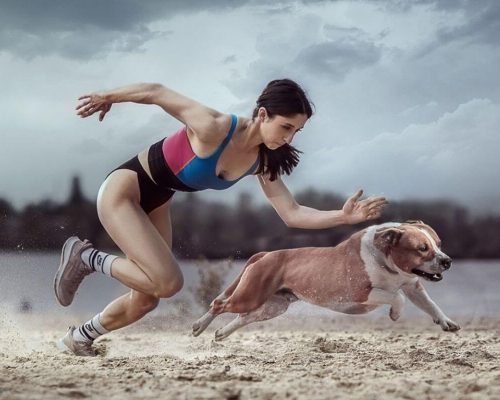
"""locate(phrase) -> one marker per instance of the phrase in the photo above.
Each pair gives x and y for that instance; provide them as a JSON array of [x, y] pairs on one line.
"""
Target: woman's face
[[278, 130]]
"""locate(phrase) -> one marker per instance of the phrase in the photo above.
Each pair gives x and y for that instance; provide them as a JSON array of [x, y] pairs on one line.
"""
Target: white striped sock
[[90, 330], [98, 260]]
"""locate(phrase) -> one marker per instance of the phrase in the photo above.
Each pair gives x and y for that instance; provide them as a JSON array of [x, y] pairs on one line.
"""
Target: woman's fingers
[[371, 200], [89, 110], [380, 203], [370, 208], [86, 109], [356, 196], [83, 104], [84, 100], [375, 204], [375, 209], [379, 198]]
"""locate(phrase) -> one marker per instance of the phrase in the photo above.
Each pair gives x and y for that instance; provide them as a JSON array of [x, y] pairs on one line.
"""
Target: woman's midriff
[[143, 159]]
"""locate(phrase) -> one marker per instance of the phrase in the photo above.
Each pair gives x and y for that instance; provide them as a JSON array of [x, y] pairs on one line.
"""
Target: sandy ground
[[288, 358]]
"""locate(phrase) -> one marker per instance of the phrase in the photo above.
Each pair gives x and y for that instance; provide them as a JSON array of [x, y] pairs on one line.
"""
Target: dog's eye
[[424, 247]]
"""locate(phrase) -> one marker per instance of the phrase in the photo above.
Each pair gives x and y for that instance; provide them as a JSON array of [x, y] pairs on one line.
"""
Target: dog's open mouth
[[428, 276]]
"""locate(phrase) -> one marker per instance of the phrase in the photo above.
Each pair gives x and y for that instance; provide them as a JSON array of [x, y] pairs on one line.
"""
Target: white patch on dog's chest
[[380, 276]]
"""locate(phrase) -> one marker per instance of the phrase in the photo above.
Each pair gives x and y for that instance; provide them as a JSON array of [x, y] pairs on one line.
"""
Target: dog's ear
[[387, 238], [414, 221]]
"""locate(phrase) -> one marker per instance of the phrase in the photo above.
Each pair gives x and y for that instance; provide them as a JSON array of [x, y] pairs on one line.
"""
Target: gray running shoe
[[69, 344], [71, 270]]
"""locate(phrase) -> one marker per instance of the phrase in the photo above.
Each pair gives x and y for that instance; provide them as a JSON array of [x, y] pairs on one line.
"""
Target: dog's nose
[[446, 262]]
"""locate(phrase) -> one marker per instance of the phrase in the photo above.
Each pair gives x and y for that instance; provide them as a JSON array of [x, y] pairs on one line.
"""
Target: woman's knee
[[170, 286], [163, 280]]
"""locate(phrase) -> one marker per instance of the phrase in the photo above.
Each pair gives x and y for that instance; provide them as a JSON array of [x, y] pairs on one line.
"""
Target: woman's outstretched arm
[[295, 215], [188, 111]]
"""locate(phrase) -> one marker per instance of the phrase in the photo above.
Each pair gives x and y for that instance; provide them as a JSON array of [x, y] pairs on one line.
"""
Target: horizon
[[255, 201]]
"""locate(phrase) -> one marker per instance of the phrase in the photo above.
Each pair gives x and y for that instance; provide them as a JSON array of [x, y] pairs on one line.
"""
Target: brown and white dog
[[373, 267]]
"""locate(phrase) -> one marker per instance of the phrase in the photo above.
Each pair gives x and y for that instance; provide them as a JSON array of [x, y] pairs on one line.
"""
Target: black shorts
[[153, 195]]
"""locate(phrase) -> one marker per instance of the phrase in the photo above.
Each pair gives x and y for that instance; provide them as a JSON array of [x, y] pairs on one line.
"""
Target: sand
[[288, 358]]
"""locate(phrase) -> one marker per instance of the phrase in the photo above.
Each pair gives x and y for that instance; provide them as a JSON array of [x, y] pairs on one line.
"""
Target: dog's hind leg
[[276, 305], [258, 283], [202, 323], [230, 289]]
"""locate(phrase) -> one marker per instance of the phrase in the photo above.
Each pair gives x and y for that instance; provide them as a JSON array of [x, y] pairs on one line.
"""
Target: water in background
[[470, 288]]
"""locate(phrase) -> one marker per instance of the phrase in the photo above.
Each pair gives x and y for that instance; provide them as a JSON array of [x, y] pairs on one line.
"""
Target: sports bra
[[198, 172]]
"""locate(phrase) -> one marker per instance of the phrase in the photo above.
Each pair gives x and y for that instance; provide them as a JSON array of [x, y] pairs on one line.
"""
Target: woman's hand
[[356, 211], [91, 103]]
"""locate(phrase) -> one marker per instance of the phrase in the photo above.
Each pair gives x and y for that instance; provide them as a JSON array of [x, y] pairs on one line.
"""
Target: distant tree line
[[208, 229]]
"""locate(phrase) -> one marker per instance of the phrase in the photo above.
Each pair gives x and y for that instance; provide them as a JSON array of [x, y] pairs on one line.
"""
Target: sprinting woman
[[211, 151]]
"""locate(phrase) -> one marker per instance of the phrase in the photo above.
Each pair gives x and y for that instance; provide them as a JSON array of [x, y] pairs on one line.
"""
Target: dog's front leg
[[395, 300], [418, 296]]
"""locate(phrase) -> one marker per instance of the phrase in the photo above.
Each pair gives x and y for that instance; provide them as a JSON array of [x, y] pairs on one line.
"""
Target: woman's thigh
[[132, 229], [160, 218]]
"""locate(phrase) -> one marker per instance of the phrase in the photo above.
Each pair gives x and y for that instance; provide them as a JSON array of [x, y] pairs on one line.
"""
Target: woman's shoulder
[[215, 126]]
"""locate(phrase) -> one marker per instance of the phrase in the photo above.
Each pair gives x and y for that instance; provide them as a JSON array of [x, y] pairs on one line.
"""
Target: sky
[[406, 93]]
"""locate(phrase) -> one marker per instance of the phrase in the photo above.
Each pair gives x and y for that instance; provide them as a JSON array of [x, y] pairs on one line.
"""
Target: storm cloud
[[336, 58], [86, 29]]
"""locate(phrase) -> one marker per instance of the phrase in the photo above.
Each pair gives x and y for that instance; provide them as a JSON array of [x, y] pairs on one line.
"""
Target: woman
[[212, 150]]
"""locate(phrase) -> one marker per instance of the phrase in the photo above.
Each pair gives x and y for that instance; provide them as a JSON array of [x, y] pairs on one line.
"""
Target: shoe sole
[[65, 255]]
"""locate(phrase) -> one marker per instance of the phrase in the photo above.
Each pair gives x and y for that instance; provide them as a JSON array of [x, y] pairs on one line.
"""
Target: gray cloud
[[449, 5], [481, 26], [118, 15], [76, 30], [311, 49], [482, 19], [84, 43], [451, 157], [337, 58], [229, 60], [83, 29], [407, 5]]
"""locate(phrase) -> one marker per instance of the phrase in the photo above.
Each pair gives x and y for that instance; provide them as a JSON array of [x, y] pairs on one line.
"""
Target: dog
[[371, 268]]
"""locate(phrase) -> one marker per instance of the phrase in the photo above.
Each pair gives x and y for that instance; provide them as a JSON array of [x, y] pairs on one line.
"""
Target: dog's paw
[[201, 324], [394, 314], [448, 325], [219, 335], [197, 328]]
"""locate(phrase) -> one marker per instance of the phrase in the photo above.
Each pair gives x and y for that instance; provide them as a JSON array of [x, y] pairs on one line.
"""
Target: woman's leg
[[149, 266], [134, 305]]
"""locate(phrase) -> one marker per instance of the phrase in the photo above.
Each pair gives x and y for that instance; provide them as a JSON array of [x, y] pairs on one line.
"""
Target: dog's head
[[413, 247]]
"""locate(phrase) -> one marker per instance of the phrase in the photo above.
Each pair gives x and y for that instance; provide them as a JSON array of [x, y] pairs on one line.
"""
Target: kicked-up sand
[[288, 358]]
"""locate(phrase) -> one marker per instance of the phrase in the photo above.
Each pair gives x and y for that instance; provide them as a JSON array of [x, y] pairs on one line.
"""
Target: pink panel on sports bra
[[177, 151]]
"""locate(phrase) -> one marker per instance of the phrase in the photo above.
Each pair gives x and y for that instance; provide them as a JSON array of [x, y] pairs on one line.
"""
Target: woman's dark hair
[[286, 98]]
